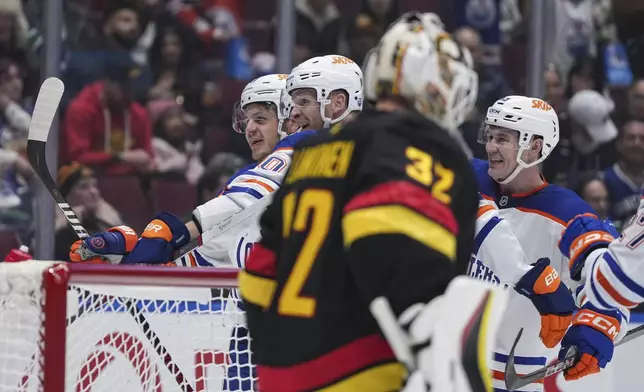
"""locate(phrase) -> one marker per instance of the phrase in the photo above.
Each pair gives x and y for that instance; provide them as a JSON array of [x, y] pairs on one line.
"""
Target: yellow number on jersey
[[319, 204], [422, 169]]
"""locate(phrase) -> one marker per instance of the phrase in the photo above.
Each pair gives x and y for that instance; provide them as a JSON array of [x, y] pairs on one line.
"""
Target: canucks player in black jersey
[[381, 207]]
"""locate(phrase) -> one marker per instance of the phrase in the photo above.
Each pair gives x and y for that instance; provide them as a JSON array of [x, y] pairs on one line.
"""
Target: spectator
[[636, 101], [211, 20], [312, 17], [104, 128], [356, 37], [15, 120], [592, 189], [173, 152], [79, 187], [628, 16], [171, 64], [555, 90], [625, 178], [492, 83], [586, 129], [13, 36], [220, 168], [586, 73], [121, 31]]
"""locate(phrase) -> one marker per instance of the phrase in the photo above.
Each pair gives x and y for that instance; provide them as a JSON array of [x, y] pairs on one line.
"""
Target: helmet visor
[[239, 119], [499, 136]]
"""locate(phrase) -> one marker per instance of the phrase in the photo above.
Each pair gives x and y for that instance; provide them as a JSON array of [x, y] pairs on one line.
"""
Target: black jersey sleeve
[[409, 224]]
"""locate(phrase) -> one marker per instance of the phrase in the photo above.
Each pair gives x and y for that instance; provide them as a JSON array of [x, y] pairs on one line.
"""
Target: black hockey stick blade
[[513, 381], [47, 102]]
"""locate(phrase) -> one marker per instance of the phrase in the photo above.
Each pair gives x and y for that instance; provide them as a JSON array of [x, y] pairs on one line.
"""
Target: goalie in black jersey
[[382, 207]]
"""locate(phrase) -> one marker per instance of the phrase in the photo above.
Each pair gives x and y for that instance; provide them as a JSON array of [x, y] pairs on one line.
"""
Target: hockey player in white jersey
[[497, 257], [519, 133], [613, 274], [610, 271]]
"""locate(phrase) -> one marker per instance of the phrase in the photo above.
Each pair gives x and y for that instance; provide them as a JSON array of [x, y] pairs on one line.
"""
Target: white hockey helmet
[[530, 117], [326, 74], [417, 60], [266, 89]]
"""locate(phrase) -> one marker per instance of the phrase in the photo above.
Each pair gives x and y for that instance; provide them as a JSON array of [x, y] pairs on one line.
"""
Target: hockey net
[[81, 328]]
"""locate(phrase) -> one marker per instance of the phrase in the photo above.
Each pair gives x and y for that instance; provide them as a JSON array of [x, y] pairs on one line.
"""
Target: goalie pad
[[454, 348]]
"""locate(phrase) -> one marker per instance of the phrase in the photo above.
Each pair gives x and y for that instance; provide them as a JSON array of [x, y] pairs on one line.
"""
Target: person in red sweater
[[103, 128]]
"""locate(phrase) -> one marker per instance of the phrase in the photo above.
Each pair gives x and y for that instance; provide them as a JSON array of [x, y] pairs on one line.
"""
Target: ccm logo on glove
[[582, 243], [608, 325]]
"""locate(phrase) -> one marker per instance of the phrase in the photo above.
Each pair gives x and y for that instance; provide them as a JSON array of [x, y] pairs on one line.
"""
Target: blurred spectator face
[[7, 23], [123, 27], [318, 5], [380, 7], [596, 194], [471, 39], [636, 101], [261, 129], [11, 83], [582, 80], [555, 91], [117, 96], [306, 109], [85, 193], [175, 127], [171, 48], [630, 144]]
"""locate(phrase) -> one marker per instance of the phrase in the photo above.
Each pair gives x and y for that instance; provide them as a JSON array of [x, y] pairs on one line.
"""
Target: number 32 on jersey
[[423, 169]]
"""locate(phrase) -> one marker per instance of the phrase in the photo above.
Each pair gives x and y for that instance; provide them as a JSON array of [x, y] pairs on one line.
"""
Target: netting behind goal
[[82, 328]]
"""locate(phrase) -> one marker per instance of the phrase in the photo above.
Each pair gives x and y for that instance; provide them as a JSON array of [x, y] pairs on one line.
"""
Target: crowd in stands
[[145, 121]]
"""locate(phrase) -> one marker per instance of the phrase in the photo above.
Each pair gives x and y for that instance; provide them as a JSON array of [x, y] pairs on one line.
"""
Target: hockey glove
[[552, 299], [161, 237], [593, 332], [109, 246], [584, 234]]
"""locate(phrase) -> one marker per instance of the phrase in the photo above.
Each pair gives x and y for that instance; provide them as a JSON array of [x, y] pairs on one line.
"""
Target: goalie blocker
[[350, 224]]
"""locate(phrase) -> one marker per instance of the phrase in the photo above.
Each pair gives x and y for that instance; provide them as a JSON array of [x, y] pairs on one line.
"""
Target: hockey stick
[[513, 381], [396, 337], [225, 225], [51, 92]]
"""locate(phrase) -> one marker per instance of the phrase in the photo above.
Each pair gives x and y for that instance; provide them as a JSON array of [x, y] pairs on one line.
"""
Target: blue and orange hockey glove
[[550, 296], [593, 332], [161, 237], [582, 235], [109, 246]]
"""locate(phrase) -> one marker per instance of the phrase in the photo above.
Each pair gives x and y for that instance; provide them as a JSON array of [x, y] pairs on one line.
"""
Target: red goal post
[[89, 327]]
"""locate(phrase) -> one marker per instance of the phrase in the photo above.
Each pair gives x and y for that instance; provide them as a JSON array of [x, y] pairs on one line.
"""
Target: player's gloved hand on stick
[[109, 246], [582, 235], [593, 332], [161, 237], [543, 286]]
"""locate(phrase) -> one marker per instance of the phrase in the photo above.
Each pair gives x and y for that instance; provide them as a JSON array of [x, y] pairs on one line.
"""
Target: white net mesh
[[126, 338]]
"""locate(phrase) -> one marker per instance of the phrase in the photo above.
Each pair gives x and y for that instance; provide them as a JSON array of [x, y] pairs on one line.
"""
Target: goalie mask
[[326, 74], [266, 90], [512, 124], [418, 61]]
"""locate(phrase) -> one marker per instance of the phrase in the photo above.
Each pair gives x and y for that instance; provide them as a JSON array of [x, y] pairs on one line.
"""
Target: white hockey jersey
[[614, 276], [243, 189], [537, 219]]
